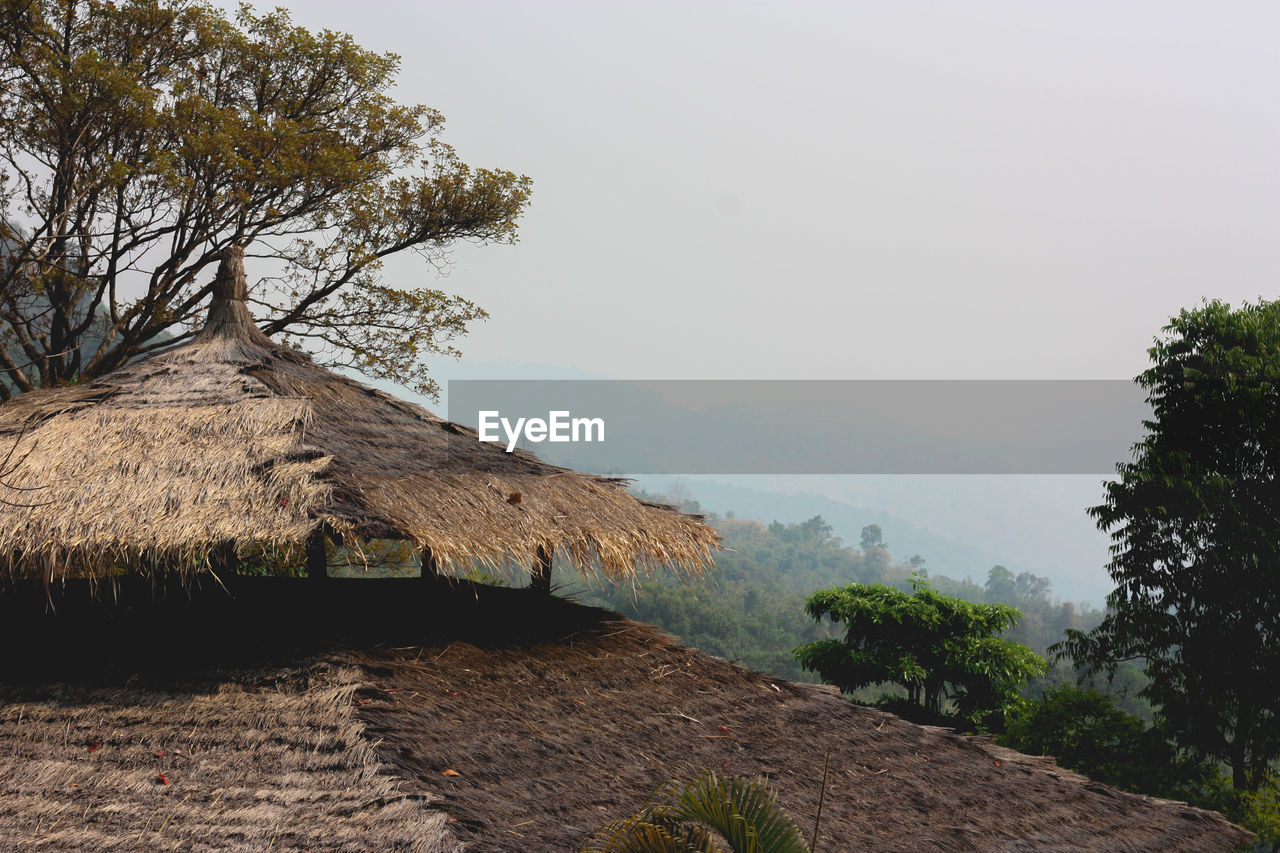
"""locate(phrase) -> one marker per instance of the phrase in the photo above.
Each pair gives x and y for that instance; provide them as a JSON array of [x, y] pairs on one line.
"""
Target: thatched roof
[[233, 439], [492, 718], [227, 766]]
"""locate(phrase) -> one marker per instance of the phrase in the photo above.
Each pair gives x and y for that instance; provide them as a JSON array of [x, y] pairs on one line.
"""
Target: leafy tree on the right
[[1195, 527]]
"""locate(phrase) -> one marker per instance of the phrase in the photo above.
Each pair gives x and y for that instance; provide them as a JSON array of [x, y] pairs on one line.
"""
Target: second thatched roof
[[411, 715], [234, 440]]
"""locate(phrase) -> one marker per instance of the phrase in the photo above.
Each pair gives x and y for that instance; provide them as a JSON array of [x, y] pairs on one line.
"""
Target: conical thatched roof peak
[[233, 440], [229, 316]]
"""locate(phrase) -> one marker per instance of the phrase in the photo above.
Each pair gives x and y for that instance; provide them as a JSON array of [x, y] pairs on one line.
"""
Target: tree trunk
[[932, 696], [1240, 776]]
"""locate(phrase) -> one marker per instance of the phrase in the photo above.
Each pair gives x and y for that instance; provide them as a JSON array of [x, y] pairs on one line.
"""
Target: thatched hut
[[230, 443], [408, 715]]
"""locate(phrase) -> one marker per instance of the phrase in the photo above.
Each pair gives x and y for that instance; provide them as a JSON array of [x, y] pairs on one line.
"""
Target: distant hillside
[[965, 526], [751, 607]]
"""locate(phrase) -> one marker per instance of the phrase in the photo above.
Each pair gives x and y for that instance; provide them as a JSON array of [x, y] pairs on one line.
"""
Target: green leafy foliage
[[143, 137], [751, 607], [689, 817], [1043, 620], [939, 649], [1259, 811], [1084, 730], [1195, 526]]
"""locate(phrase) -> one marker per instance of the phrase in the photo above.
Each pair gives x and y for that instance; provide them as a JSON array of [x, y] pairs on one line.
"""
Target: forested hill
[[751, 607]]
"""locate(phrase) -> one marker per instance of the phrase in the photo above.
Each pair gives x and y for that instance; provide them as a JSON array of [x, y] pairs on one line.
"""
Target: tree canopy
[[937, 647], [142, 137], [1084, 731], [1195, 527]]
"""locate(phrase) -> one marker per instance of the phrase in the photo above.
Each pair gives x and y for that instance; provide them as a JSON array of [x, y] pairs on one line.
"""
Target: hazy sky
[[851, 190], [955, 190]]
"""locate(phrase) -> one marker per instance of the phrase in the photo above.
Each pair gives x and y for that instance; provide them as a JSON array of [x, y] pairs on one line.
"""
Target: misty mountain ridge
[[945, 553]]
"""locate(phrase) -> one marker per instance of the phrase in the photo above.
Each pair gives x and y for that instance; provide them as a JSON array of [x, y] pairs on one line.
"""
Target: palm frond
[[641, 834], [681, 817], [744, 811]]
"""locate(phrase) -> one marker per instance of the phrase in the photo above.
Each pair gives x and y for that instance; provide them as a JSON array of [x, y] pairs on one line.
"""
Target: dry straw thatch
[[492, 718], [550, 743], [234, 441], [230, 767]]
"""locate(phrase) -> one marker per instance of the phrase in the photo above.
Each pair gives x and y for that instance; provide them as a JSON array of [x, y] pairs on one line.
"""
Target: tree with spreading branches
[[140, 138], [941, 650], [1194, 520]]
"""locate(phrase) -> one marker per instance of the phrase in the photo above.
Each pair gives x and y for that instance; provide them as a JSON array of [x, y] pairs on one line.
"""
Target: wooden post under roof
[[317, 557], [224, 559], [541, 580]]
